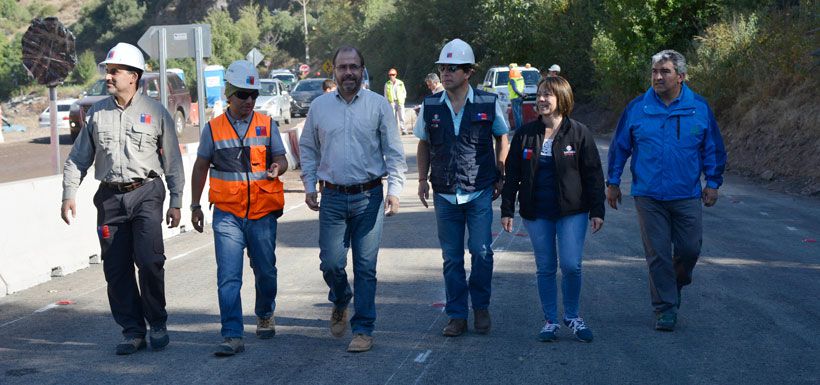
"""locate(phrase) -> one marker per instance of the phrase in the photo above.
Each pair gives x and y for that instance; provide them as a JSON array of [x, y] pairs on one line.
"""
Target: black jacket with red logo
[[579, 176]]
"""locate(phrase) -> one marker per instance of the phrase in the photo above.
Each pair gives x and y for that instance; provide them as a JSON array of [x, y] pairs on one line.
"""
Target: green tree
[[86, 69]]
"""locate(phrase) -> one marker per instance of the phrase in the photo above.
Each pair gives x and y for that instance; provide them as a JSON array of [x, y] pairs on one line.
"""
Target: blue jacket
[[670, 147]]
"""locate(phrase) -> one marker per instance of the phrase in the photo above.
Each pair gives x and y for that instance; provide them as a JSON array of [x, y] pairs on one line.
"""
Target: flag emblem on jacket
[[481, 116], [261, 131], [145, 118], [527, 154]]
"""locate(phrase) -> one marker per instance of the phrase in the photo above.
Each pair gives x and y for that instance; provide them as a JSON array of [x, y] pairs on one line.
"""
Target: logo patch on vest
[[527, 154], [481, 116], [435, 121], [261, 131], [568, 151], [145, 118]]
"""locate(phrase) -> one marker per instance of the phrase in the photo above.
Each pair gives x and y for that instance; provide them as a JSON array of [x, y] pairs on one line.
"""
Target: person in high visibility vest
[[515, 88], [245, 155], [395, 93]]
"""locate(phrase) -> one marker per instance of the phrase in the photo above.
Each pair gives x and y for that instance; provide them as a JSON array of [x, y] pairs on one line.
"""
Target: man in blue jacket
[[672, 136]]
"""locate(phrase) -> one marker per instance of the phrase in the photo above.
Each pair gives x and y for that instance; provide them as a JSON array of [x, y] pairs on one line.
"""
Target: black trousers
[[129, 225]]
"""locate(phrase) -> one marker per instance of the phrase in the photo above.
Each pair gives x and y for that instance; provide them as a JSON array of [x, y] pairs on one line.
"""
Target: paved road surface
[[751, 316]]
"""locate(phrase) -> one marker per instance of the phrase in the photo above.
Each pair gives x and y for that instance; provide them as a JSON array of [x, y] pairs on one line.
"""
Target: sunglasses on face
[[391, 74], [448, 68], [245, 94]]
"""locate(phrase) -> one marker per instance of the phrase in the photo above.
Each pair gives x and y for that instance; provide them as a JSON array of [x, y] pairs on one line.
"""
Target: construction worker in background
[[245, 156], [131, 140], [515, 88], [554, 70], [395, 93], [456, 136]]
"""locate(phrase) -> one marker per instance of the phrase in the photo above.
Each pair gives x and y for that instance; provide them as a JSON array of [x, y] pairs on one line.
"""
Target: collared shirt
[[124, 144], [351, 143], [206, 141], [499, 128]]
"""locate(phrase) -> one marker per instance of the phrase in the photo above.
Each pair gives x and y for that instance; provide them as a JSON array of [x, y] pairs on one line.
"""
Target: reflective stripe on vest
[[238, 175]]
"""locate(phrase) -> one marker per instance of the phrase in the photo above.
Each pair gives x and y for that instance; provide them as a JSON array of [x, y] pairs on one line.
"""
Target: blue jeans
[[518, 116], [477, 216], [352, 221], [232, 235], [570, 232]]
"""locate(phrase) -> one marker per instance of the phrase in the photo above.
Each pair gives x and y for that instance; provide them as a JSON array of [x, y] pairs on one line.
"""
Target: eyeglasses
[[348, 67], [243, 95], [391, 74], [449, 67]]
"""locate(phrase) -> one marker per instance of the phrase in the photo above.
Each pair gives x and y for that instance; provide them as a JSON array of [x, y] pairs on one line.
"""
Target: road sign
[[254, 56], [327, 66], [304, 68], [179, 39]]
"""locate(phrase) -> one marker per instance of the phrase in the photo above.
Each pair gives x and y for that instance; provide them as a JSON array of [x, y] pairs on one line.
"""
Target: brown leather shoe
[[482, 321], [338, 321], [455, 328], [360, 343]]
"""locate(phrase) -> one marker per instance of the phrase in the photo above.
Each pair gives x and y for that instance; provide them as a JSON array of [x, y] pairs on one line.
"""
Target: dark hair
[[559, 87], [346, 48], [328, 84]]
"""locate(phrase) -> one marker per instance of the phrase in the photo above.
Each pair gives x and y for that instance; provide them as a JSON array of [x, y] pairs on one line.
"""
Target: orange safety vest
[[238, 175]]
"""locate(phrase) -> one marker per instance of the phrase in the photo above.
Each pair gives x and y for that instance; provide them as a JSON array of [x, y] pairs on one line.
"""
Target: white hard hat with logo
[[243, 74], [456, 51], [125, 54], [555, 67]]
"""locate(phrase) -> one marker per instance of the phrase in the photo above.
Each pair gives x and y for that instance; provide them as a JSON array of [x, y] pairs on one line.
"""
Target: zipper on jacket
[[678, 127]]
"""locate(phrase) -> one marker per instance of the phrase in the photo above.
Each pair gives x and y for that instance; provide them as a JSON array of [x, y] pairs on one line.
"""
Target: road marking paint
[[791, 228], [763, 213], [47, 307], [423, 356]]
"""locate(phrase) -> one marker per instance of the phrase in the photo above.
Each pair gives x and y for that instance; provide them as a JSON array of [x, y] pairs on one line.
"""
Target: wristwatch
[[195, 206]]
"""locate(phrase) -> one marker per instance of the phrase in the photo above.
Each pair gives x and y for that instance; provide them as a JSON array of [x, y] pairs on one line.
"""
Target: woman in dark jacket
[[554, 170]]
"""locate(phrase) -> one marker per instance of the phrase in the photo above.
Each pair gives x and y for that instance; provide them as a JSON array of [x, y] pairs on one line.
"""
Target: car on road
[[179, 100], [274, 100], [303, 94], [285, 76], [63, 106]]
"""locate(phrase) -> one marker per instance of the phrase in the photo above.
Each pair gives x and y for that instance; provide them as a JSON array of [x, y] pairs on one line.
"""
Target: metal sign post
[[49, 55], [179, 41]]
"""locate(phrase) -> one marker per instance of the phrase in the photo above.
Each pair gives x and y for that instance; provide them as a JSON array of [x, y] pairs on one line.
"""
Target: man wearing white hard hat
[[131, 141], [455, 151], [349, 143], [244, 154], [554, 70]]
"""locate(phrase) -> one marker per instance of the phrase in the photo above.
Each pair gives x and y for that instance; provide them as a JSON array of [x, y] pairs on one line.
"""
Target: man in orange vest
[[245, 155]]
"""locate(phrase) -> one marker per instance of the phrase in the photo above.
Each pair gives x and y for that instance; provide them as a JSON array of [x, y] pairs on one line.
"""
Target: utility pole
[[304, 3]]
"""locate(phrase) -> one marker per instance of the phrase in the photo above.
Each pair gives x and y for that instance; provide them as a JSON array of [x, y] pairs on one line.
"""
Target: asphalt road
[[751, 317], [31, 157]]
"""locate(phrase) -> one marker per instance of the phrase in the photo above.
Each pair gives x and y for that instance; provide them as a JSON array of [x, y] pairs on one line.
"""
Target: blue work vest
[[466, 162]]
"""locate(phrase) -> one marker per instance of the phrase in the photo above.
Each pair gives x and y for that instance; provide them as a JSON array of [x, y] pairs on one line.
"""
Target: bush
[[86, 69]]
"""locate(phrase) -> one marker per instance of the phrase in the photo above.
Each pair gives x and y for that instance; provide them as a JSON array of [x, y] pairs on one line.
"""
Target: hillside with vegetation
[[756, 61]]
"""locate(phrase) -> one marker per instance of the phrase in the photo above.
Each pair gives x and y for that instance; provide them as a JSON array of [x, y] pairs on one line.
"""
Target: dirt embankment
[[773, 139]]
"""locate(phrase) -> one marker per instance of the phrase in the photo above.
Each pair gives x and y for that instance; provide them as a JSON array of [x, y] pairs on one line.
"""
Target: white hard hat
[[243, 74], [456, 51], [555, 67], [125, 54]]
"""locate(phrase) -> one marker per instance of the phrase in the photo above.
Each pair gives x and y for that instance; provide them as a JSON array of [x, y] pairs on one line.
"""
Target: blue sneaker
[[579, 328], [547, 333]]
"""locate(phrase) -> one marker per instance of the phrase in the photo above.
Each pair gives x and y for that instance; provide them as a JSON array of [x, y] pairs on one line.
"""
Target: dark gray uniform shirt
[[126, 143]]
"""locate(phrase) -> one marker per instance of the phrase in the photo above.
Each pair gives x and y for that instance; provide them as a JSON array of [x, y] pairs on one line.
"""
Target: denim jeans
[[518, 115], [664, 225], [477, 216], [352, 221], [232, 235], [570, 232]]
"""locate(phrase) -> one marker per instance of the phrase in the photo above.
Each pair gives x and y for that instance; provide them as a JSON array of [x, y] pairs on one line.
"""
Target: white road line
[[791, 228], [423, 356], [185, 254]]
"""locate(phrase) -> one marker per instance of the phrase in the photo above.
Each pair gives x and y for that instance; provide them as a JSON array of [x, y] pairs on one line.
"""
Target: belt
[[352, 189], [126, 186]]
